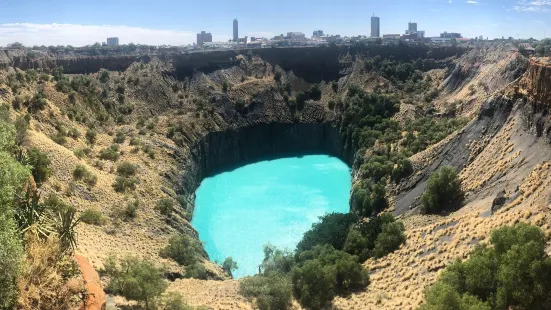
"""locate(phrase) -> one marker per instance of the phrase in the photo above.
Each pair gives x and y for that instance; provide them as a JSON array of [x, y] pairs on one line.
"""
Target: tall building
[[375, 27], [113, 41], [203, 37], [412, 27], [235, 30]]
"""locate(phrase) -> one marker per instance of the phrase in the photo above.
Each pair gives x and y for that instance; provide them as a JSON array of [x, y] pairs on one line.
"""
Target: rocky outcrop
[[537, 83]]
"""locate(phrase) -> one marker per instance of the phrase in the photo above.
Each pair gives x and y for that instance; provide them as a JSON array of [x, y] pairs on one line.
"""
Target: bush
[[390, 239], [91, 136], [196, 271], [21, 128], [513, 274], [126, 169], [40, 164], [82, 152], [183, 249], [123, 184], [92, 217], [301, 98], [111, 153], [271, 292], [79, 172], [332, 229], [175, 301], [443, 191], [119, 137], [331, 105], [229, 266], [131, 209], [135, 279], [165, 206], [315, 92], [324, 272]]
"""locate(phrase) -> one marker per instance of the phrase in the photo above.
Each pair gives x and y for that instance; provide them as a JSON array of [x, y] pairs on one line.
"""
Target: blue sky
[[81, 22]]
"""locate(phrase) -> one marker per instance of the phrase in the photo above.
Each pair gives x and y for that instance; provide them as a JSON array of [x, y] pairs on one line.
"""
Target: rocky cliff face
[[536, 83]]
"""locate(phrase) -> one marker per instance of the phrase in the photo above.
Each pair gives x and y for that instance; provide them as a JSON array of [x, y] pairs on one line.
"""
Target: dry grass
[[50, 279]]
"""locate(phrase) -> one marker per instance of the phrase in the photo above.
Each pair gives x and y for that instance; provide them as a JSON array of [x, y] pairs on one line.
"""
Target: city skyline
[[61, 22]]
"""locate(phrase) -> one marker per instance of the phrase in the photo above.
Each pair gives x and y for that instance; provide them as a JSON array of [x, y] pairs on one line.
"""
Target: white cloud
[[79, 35], [472, 2], [533, 6]]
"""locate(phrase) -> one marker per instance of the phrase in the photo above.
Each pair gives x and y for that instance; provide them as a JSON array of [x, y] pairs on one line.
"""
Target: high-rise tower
[[375, 27], [235, 30]]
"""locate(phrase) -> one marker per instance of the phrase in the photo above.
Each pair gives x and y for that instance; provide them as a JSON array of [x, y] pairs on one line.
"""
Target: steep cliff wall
[[536, 83]]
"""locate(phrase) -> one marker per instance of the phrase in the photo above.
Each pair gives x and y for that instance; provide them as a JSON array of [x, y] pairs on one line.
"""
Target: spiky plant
[[63, 224]]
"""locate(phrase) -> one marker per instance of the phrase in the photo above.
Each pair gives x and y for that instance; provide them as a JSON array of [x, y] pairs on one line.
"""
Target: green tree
[[390, 239], [183, 249], [270, 292], [332, 229], [40, 164], [229, 265], [135, 279], [443, 191]]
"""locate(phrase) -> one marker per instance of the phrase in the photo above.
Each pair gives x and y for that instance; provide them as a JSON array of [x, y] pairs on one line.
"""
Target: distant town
[[204, 41]]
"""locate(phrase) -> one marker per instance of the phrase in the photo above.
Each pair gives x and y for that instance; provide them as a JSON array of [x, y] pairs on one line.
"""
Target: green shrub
[[79, 172], [196, 271], [165, 206], [91, 136], [82, 152], [123, 184], [119, 137], [300, 100], [111, 153], [135, 141], [103, 76], [332, 229], [390, 239], [183, 249], [131, 209], [174, 301], [443, 191], [513, 274], [324, 272], [315, 92], [40, 165], [21, 128], [229, 266], [56, 205], [331, 105], [126, 169], [135, 279], [92, 217], [225, 86], [271, 292]]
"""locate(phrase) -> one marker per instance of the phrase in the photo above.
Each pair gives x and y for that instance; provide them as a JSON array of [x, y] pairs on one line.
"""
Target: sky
[[173, 22]]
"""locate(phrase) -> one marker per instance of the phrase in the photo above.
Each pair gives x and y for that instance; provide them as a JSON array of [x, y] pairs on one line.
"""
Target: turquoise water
[[238, 212]]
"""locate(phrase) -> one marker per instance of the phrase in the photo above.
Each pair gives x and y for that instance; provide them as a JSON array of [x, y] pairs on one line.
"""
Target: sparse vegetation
[[165, 206], [40, 164], [111, 153], [126, 169]]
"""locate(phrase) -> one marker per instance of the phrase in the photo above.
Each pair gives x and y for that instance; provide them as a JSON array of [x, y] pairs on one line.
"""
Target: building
[[296, 36], [412, 28], [203, 37], [317, 34], [235, 30], [440, 40], [450, 35], [375, 27], [113, 41], [279, 37], [391, 37]]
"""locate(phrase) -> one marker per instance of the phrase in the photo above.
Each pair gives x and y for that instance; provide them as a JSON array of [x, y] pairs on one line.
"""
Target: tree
[[135, 279], [270, 292], [40, 164], [229, 265], [332, 229], [390, 239], [443, 191], [513, 274], [183, 249]]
